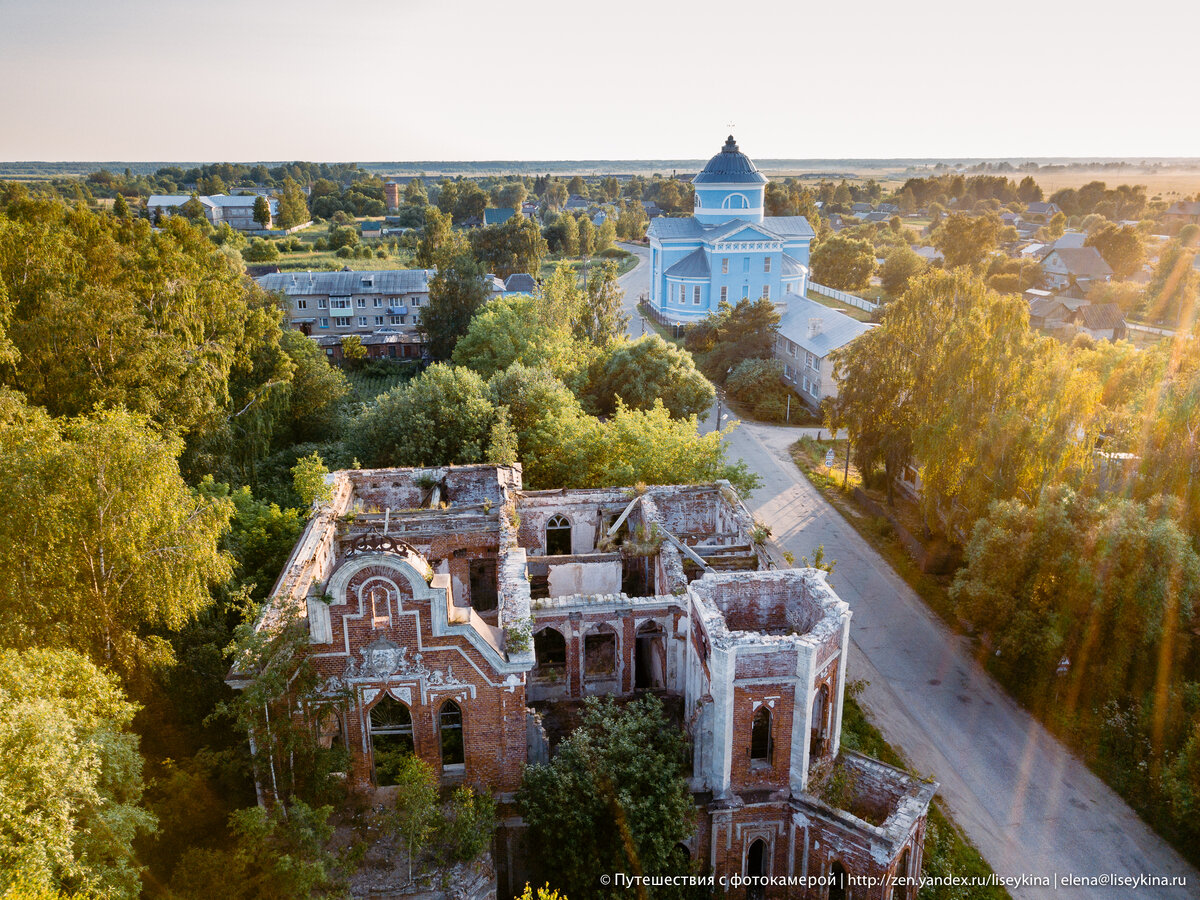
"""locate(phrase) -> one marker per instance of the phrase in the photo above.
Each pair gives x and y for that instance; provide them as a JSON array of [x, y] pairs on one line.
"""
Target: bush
[[751, 378], [466, 831], [320, 245], [342, 236], [345, 252], [260, 251], [613, 253]]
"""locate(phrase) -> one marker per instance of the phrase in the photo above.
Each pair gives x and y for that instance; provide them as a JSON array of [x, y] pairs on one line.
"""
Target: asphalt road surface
[[1030, 807]]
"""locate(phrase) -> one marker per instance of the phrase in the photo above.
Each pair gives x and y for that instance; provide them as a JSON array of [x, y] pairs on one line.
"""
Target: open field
[[1167, 185]]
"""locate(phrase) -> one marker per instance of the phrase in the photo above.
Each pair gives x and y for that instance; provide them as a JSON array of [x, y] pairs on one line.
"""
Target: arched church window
[[558, 536], [450, 725], [391, 738], [549, 651], [819, 726], [760, 736]]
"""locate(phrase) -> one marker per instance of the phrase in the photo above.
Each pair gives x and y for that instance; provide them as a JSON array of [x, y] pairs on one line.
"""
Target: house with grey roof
[[520, 283], [498, 216], [1103, 321], [1063, 267], [807, 333], [348, 302], [1042, 208]]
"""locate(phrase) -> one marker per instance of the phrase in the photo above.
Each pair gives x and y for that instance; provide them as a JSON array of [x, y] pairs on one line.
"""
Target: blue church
[[727, 249]]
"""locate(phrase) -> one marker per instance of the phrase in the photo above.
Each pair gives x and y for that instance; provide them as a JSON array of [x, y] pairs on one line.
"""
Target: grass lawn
[[852, 311], [329, 260], [624, 264]]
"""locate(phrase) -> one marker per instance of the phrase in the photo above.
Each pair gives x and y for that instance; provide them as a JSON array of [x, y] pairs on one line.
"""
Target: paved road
[[634, 283], [1023, 799]]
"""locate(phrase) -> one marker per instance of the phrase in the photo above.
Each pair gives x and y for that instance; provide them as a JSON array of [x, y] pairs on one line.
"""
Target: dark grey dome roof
[[730, 166]]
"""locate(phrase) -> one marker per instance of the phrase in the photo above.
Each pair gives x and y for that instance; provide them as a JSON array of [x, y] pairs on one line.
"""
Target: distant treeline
[[35, 170]]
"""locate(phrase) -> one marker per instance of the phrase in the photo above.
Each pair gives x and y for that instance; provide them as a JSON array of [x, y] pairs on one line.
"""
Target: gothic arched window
[[558, 536], [450, 726], [760, 736], [391, 738]]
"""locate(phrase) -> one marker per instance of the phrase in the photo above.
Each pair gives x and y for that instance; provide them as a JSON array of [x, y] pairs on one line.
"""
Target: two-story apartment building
[[235, 211], [808, 332]]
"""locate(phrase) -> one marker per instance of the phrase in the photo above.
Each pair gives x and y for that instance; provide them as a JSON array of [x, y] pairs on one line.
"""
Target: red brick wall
[[745, 774], [493, 719]]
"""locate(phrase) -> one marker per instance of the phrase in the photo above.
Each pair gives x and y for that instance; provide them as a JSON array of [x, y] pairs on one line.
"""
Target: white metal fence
[[843, 297]]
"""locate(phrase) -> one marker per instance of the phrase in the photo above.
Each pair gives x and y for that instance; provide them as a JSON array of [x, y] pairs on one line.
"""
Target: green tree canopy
[[123, 547], [515, 245], [614, 798], [71, 786], [1109, 584], [456, 291], [967, 240], [262, 211], [900, 266], [731, 334], [1121, 246], [443, 417], [648, 370], [843, 263], [954, 379], [511, 329], [110, 312], [293, 210]]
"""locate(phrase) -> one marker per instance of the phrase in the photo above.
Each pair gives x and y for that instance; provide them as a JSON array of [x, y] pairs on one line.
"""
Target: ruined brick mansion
[[463, 614]]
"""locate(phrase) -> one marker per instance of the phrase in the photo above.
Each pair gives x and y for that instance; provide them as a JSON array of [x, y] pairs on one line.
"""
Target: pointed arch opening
[[558, 536], [820, 722], [391, 738], [760, 738], [450, 730]]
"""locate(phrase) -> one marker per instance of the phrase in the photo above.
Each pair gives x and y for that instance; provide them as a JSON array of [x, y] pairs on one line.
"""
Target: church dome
[[730, 166]]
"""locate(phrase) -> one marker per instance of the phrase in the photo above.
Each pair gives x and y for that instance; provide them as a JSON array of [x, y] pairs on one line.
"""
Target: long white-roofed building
[[727, 249]]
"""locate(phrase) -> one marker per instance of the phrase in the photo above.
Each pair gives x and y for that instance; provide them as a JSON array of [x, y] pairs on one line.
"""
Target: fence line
[[1150, 329], [849, 299]]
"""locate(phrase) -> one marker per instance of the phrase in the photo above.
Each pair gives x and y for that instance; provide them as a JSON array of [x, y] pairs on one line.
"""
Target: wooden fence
[[843, 297]]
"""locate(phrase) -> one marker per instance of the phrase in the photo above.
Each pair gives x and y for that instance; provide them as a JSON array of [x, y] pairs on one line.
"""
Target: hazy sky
[[533, 79]]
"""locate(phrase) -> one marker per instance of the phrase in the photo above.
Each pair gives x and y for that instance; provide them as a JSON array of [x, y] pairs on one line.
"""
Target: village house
[[807, 333], [1184, 212], [498, 216], [456, 616], [1043, 209], [1082, 266], [1102, 321]]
